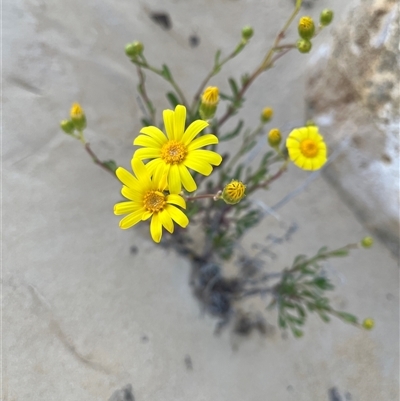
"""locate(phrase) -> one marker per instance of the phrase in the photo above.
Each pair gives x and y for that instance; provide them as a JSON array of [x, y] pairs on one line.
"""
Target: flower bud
[[67, 126], [266, 114], [78, 116], [233, 192], [274, 137], [367, 242], [209, 102], [247, 32], [368, 323], [306, 27], [134, 49], [304, 45], [326, 17]]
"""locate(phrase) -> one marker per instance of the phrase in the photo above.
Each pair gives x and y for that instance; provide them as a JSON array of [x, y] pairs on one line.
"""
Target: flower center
[[309, 148], [173, 152], [154, 201]]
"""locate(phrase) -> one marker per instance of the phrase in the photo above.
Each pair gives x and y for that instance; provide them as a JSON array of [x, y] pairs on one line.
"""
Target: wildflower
[[67, 126], [326, 17], [147, 199], [303, 45], [78, 116], [367, 242], [266, 114], [368, 324], [274, 137], [233, 192], [209, 102], [307, 148], [177, 151], [306, 27]]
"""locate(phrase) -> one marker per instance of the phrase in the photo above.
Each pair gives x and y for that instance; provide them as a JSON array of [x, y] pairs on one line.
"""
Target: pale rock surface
[[83, 316], [353, 92]]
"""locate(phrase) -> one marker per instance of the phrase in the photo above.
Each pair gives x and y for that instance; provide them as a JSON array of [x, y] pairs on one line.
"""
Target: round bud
[[247, 32], [326, 17], [67, 126], [233, 192], [303, 45], [267, 114], [134, 49], [367, 242], [274, 137], [306, 27], [368, 323]]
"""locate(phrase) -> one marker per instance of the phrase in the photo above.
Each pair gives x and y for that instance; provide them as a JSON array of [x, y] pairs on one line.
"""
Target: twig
[[97, 160]]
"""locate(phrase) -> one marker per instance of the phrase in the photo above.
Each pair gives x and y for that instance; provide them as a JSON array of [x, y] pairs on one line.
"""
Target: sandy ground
[[82, 315]]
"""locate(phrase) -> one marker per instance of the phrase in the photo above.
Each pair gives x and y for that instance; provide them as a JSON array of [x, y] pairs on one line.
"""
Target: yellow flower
[[210, 96], [274, 137], [233, 192], [147, 199], [76, 112], [177, 151], [307, 148]]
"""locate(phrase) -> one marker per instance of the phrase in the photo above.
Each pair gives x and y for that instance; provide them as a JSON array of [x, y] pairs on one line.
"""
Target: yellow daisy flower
[[307, 148], [147, 199], [177, 151]]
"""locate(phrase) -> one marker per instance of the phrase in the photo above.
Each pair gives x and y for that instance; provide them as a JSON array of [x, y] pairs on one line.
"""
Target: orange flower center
[[309, 148], [154, 201], [173, 152]]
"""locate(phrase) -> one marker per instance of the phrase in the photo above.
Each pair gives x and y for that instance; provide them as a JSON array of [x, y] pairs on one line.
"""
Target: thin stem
[[97, 160], [203, 196], [143, 93], [268, 181]]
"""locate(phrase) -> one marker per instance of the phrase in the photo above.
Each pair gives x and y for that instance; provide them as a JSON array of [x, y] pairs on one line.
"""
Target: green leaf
[[265, 158], [322, 250], [297, 332], [234, 87], [217, 57], [324, 317], [339, 252], [145, 121], [226, 97], [348, 317], [111, 165], [299, 259], [282, 322], [233, 133], [173, 99], [166, 73], [238, 172], [246, 148]]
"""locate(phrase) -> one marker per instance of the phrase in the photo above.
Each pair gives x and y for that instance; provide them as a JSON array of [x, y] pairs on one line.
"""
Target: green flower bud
[[266, 114], [303, 45], [67, 126], [274, 137], [368, 323], [247, 32], [209, 102], [306, 27], [326, 17], [233, 192], [367, 242], [78, 116], [134, 49]]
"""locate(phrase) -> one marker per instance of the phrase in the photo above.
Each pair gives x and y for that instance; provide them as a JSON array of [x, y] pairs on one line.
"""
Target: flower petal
[[159, 182], [156, 228], [174, 180], [299, 134], [127, 178], [155, 133], [200, 166], [307, 164], [169, 117], [166, 221], [131, 219], [146, 215], [292, 143], [187, 179], [140, 171], [125, 207], [132, 194], [194, 129], [176, 200], [147, 153], [206, 155], [294, 153], [177, 215], [204, 140], [152, 165], [144, 140], [180, 121]]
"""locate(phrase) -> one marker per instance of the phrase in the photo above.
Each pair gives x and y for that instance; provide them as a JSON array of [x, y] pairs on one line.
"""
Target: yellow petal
[[292, 143], [174, 180], [132, 194], [194, 129], [156, 228], [169, 117], [127, 178], [294, 153], [144, 140], [200, 166], [131, 219], [186, 178], [299, 162], [176, 200], [146, 214], [125, 207], [147, 153], [140, 171], [180, 121], [166, 221], [159, 182], [307, 164], [206, 155], [152, 165], [155, 133], [204, 140], [299, 134], [177, 215]]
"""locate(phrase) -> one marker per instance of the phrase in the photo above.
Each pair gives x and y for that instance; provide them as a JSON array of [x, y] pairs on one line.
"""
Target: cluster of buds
[[134, 49], [77, 120], [209, 103]]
